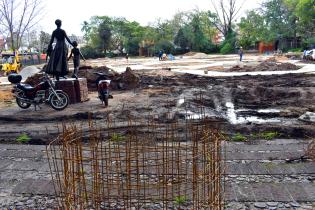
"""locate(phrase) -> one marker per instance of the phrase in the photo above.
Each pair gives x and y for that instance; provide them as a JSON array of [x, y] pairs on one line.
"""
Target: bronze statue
[[76, 58], [57, 64]]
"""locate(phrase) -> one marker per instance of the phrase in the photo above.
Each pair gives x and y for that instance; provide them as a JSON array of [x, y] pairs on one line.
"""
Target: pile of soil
[[125, 81], [190, 53], [266, 66], [35, 79], [200, 56], [272, 66], [279, 58], [5, 95]]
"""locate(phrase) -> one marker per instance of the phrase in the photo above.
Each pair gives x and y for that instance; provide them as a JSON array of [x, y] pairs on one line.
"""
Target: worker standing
[[241, 52]]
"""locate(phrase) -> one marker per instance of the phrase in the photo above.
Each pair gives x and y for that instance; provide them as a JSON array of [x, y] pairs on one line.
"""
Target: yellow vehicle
[[10, 62]]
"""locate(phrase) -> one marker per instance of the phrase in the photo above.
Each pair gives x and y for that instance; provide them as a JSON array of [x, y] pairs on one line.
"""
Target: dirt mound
[[272, 66], [266, 66], [129, 79], [279, 58], [190, 53], [5, 95], [89, 73], [126, 80], [35, 79], [200, 56]]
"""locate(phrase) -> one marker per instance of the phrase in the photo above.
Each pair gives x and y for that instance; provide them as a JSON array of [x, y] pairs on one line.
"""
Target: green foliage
[[90, 52], [23, 138], [188, 30], [269, 135], [239, 137], [166, 46], [116, 137], [295, 50], [227, 48], [180, 200]]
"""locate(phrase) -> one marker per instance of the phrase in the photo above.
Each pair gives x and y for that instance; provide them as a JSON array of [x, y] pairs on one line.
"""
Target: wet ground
[[247, 102]]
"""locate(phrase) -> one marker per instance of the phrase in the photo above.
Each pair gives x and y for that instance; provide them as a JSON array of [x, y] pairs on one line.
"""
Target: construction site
[[197, 132]]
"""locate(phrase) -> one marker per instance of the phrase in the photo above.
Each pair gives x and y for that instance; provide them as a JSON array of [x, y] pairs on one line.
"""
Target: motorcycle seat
[[25, 87]]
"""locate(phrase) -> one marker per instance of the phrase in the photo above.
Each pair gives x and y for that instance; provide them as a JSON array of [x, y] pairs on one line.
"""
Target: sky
[[74, 12]]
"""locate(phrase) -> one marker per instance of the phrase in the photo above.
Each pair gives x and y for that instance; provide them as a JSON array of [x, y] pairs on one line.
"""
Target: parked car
[[309, 54]]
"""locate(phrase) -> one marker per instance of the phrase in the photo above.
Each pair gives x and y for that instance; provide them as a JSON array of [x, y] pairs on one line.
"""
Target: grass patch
[[180, 200], [269, 135], [239, 137], [23, 138], [116, 137]]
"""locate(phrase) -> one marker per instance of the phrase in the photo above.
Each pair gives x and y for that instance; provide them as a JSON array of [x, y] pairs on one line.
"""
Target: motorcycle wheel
[[59, 104], [105, 100], [22, 104]]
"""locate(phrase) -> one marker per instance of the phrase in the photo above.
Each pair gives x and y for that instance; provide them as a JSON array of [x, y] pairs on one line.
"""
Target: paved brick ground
[[24, 170]]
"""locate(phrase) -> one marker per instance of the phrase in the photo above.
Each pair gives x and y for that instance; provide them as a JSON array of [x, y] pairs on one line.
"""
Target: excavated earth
[[246, 104], [258, 175]]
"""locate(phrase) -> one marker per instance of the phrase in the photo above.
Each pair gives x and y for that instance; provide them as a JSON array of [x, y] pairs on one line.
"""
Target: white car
[[309, 54]]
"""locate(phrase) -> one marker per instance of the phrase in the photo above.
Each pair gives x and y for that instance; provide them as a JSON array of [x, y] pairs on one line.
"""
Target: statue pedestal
[[75, 88]]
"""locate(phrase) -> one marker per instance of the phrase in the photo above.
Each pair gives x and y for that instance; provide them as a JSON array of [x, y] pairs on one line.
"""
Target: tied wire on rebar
[[139, 164]]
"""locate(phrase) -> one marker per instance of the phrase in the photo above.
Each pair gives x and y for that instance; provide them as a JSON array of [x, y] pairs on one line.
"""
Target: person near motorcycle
[[76, 53], [57, 64]]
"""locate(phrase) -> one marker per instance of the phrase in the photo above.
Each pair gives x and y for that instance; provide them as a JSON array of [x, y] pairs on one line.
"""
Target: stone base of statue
[[76, 89]]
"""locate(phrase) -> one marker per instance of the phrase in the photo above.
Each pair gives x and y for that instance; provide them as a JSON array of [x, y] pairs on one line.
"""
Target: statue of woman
[[57, 64]]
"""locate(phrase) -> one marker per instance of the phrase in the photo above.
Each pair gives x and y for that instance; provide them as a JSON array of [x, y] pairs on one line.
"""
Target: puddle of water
[[180, 102], [234, 119], [268, 111]]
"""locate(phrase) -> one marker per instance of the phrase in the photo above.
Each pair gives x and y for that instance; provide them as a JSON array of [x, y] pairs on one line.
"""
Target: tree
[[181, 40], [304, 13], [105, 34], [252, 29], [17, 16], [224, 15], [44, 39]]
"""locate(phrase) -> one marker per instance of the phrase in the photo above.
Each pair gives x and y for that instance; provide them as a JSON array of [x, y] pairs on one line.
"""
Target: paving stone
[[262, 192], [229, 193], [297, 192], [295, 204], [258, 168], [233, 168], [244, 193], [279, 192], [260, 205], [310, 190], [272, 204]]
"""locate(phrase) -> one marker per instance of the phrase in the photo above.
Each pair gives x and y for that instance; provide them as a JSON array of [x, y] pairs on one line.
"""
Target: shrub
[[116, 137], [239, 137], [166, 46], [269, 135], [90, 52], [180, 200], [23, 138], [227, 48]]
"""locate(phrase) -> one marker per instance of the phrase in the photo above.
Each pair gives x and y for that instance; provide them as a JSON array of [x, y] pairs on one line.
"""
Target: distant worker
[[160, 55], [127, 57], [76, 58], [241, 52]]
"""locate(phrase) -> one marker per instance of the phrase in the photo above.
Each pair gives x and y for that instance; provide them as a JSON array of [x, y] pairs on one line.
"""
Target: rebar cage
[[139, 166]]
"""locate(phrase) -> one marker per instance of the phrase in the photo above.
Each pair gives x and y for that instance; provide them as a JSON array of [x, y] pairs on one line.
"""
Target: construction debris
[[266, 66]]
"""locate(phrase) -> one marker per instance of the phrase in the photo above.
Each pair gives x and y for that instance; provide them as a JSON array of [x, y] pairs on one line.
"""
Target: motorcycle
[[44, 92], [102, 84]]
